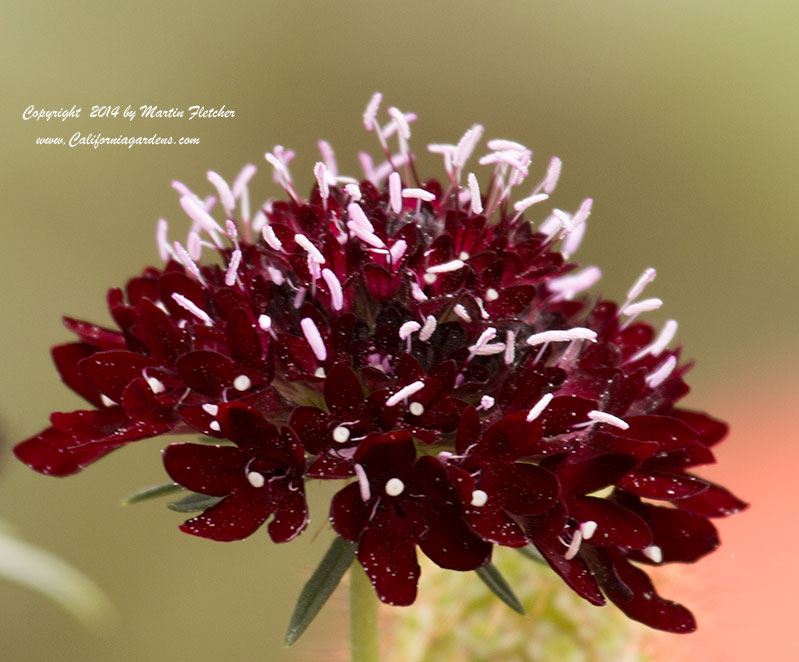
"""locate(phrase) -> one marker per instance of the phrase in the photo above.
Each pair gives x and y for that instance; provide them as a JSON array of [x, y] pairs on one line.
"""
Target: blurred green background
[[678, 118]]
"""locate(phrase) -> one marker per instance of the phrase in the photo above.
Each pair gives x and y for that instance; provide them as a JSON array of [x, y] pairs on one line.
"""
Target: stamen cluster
[[422, 341]]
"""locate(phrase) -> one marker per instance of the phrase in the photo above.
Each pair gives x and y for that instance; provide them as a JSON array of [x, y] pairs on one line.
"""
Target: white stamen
[[214, 425], [486, 402], [196, 212], [271, 238], [314, 338], [662, 373], [466, 146], [181, 188], [567, 287], [255, 479], [577, 333], [574, 546], [588, 529], [334, 285], [394, 487], [162, 239], [573, 240], [354, 191], [498, 144], [491, 294], [341, 435], [643, 280], [242, 383], [185, 259], [609, 419], [225, 194], [299, 297], [429, 279], [329, 157], [479, 498], [474, 189], [233, 268], [108, 402], [463, 255], [641, 307], [452, 265], [265, 322], [653, 553], [404, 392], [530, 201], [365, 235], [242, 179], [428, 328], [408, 328], [552, 176], [363, 483], [211, 410], [402, 123], [232, 232], [395, 192], [191, 307], [370, 113], [461, 312], [564, 218], [321, 174], [416, 292], [418, 194], [510, 347], [306, 244], [156, 385], [416, 408], [397, 250], [659, 344], [583, 212], [319, 373], [539, 407]]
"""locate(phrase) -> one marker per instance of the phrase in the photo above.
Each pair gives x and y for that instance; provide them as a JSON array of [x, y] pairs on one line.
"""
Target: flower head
[[425, 341]]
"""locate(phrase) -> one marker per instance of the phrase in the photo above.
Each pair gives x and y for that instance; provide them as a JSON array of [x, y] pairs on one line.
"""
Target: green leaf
[[532, 553], [320, 586], [151, 493], [193, 502], [496, 582]]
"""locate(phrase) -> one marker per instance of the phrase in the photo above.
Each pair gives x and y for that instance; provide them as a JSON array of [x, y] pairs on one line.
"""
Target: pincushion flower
[[428, 342]]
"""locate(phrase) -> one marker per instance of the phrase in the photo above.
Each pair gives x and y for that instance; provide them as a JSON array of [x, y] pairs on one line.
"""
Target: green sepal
[[496, 582], [320, 586], [191, 503], [533, 554], [152, 492]]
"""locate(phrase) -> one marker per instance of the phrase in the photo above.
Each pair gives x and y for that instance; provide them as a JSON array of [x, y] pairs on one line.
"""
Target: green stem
[[364, 633]]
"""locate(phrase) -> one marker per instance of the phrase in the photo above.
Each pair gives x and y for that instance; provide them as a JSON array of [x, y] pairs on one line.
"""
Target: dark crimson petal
[[631, 590], [291, 510], [107, 426], [312, 427], [654, 485], [234, 518], [681, 536], [468, 430], [575, 573], [444, 415], [669, 432], [511, 301], [242, 338], [563, 412], [248, 429], [207, 372], [54, 453], [492, 523], [529, 489], [545, 526], [349, 513], [448, 541], [160, 334], [388, 455], [387, 552], [616, 525], [176, 282], [381, 284], [330, 465], [66, 359], [512, 437], [213, 470], [199, 419], [595, 473], [141, 404], [110, 372], [95, 335], [715, 501], [344, 394], [710, 430]]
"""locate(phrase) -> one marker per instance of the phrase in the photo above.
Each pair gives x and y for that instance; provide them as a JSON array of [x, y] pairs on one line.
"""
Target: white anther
[[573, 240], [552, 176], [539, 407], [588, 529], [530, 201], [214, 425], [497, 144], [416, 408], [233, 268], [574, 546], [510, 346], [662, 373], [191, 307], [564, 218], [365, 236], [408, 328], [162, 239], [314, 338], [643, 280], [354, 191], [271, 238], [404, 392], [225, 194], [429, 279], [363, 483], [466, 146], [242, 383], [196, 212], [486, 402], [156, 385], [334, 285], [341, 435], [428, 328], [491, 294], [659, 344], [609, 419], [394, 487], [306, 244], [641, 307], [395, 192], [416, 292], [418, 194], [474, 189], [319, 372], [255, 479], [265, 322], [186, 261], [242, 179], [108, 402], [461, 312], [299, 297], [452, 265], [370, 113], [577, 333], [211, 410], [321, 174], [568, 286], [582, 214], [463, 255], [479, 498], [653, 553], [397, 250]]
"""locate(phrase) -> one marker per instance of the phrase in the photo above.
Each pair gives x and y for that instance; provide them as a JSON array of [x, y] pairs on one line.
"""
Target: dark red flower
[[424, 341]]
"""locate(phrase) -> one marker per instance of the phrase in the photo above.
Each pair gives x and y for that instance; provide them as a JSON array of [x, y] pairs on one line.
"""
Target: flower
[[425, 342]]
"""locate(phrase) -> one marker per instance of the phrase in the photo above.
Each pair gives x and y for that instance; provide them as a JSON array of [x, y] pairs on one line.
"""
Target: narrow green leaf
[[193, 502], [532, 553], [496, 582], [151, 493], [320, 586]]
